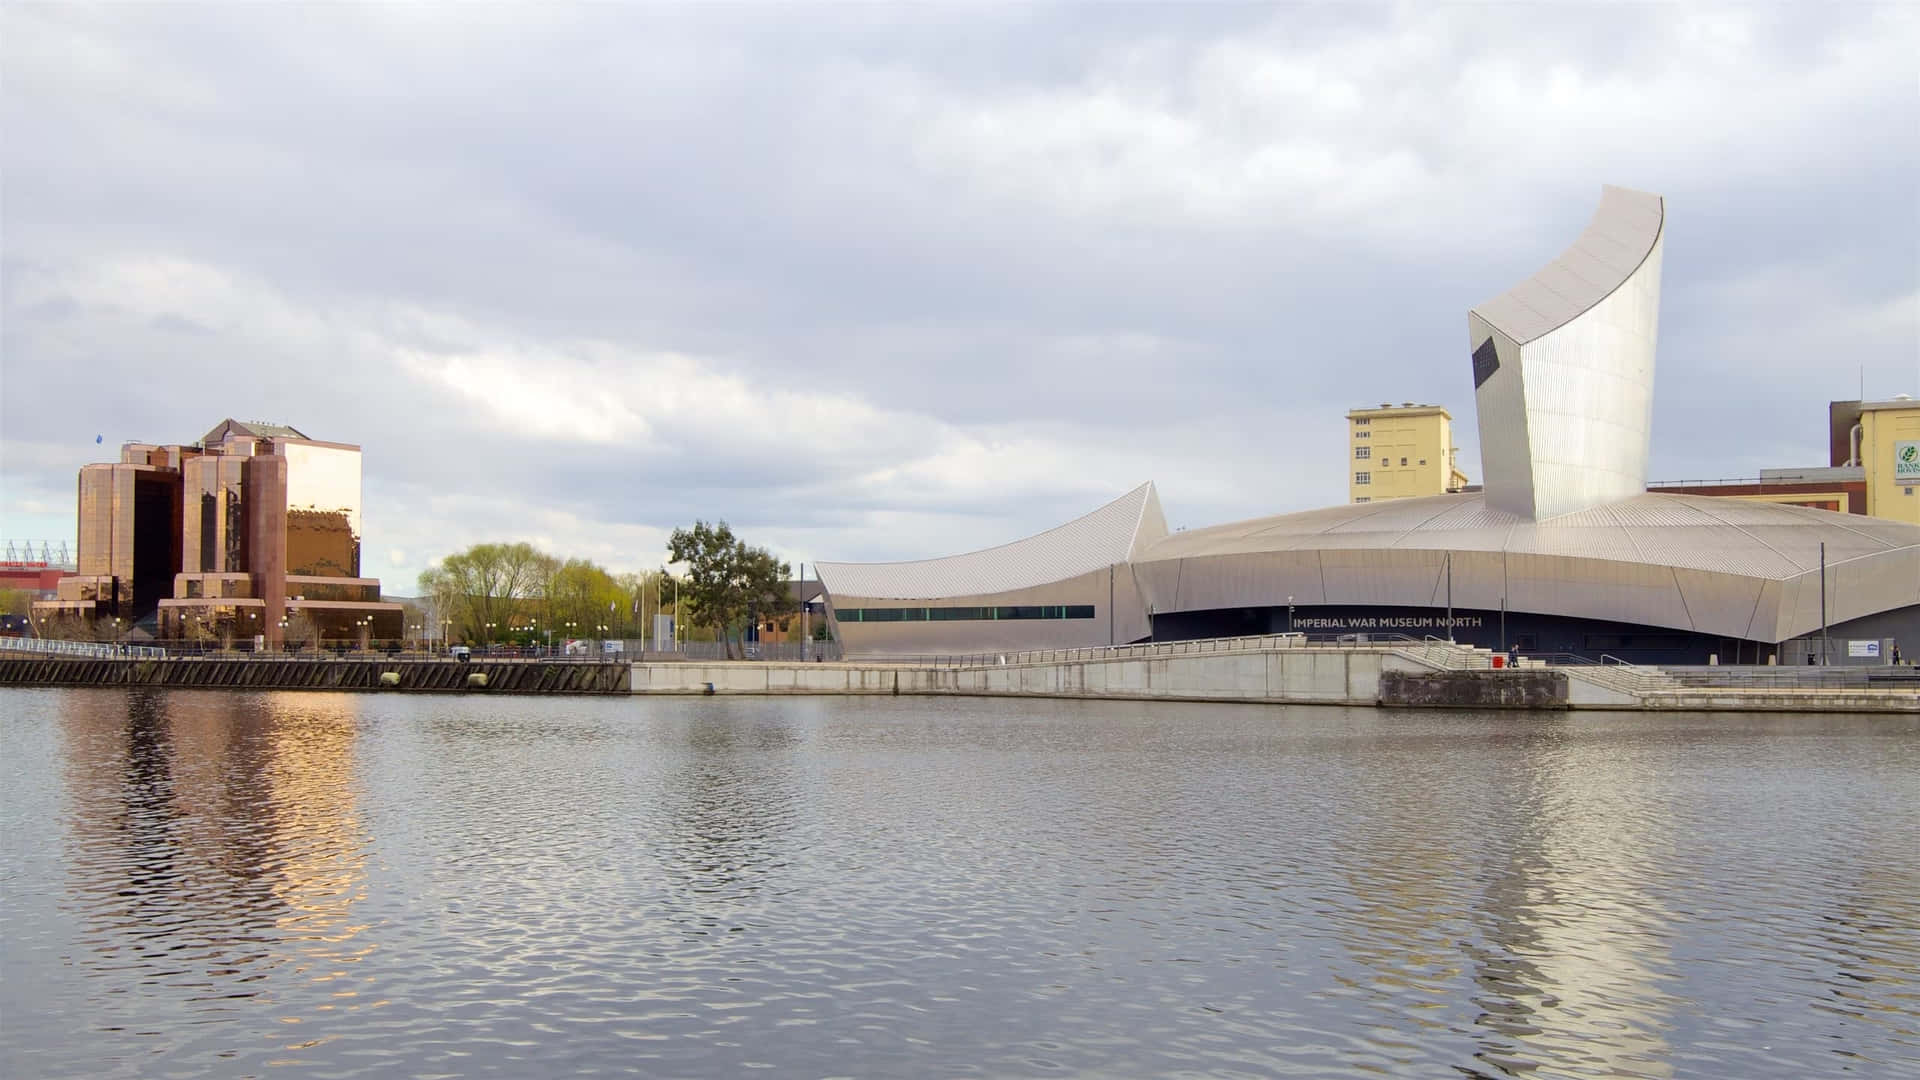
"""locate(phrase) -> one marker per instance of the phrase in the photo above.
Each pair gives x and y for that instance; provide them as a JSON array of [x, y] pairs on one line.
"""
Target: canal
[[258, 884]]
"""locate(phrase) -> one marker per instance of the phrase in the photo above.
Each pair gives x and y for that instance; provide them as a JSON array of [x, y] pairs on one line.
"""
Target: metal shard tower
[[1563, 367]]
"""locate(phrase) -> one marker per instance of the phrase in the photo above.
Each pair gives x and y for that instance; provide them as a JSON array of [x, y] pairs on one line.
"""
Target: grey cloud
[[975, 222]]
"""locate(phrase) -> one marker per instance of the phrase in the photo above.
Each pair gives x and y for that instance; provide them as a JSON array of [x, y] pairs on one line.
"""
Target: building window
[[1362, 498], [1423, 461], [965, 614], [1362, 422], [1362, 453], [1403, 462], [1363, 434], [1363, 478]]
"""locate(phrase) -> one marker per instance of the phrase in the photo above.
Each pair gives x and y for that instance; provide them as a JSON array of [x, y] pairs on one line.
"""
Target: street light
[[1289, 614]]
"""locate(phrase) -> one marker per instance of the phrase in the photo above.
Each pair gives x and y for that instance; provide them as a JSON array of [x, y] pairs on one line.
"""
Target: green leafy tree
[[488, 587], [587, 596], [726, 579], [16, 602]]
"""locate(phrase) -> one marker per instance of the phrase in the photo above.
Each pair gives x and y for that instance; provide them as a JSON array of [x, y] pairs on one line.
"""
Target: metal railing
[[93, 650], [1769, 677], [826, 651], [1439, 652]]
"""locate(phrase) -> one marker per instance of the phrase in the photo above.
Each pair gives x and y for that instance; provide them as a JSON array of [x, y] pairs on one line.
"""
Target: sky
[[877, 282]]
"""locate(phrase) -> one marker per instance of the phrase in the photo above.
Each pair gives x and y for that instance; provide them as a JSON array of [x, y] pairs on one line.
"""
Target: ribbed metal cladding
[[1107, 536], [1687, 561], [1563, 367]]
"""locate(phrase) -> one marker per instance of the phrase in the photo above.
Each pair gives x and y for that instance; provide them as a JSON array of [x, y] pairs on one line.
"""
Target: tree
[[726, 579], [16, 602], [301, 631], [585, 595], [485, 588]]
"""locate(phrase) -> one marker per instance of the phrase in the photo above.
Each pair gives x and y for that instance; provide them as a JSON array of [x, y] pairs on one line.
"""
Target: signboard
[[1906, 462], [1398, 623], [1869, 649]]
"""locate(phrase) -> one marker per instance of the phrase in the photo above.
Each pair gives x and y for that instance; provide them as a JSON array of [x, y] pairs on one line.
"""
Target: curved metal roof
[[1756, 539], [1112, 534], [1735, 567], [1622, 233]]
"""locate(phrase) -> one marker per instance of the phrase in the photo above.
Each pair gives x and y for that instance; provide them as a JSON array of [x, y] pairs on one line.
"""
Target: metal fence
[[93, 650], [828, 651], [1156, 649]]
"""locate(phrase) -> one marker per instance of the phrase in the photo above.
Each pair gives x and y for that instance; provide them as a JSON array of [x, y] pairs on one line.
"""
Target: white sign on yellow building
[[1889, 449]]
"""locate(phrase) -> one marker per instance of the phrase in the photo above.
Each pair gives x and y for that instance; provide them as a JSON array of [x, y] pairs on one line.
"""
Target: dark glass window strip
[[966, 614]]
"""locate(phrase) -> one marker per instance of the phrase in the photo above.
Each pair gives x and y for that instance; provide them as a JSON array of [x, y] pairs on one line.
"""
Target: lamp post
[[1289, 614]]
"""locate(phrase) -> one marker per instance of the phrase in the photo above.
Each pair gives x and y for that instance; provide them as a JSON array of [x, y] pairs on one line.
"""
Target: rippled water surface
[[337, 885]]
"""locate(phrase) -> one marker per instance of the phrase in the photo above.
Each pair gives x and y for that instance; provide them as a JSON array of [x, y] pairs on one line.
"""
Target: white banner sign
[[1906, 462], [1863, 648]]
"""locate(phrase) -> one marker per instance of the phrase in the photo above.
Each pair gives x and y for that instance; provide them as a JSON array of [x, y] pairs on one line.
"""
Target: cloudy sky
[[882, 282]]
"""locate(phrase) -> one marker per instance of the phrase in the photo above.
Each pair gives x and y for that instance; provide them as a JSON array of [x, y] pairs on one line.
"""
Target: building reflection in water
[[1513, 873], [213, 844], [1574, 950]]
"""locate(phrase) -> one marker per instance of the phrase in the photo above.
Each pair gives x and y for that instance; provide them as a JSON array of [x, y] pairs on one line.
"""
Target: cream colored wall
[[1393, 435], [1881, 432], [1129, 622]]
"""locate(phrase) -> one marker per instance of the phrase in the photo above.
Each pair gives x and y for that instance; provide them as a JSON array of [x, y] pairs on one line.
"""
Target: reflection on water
[[211, 840], [311, 883]]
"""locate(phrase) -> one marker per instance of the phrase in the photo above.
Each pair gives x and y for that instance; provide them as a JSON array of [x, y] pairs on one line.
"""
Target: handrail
[[100, 650], [1152, 649]]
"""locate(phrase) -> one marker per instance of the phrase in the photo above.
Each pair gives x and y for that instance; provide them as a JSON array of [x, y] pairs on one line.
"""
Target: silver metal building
[[1564, 550]]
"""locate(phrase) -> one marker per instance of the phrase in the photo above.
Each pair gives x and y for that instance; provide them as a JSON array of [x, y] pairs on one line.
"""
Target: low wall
[[521, 677], [1502, 689], [1343, 676]]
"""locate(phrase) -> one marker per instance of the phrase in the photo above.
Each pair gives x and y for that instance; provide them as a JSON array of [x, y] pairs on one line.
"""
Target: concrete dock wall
[[1523, 689], [240, 673], [1344, 676]]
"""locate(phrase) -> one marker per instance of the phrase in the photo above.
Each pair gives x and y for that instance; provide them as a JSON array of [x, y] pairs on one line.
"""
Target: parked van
[[461, 653]]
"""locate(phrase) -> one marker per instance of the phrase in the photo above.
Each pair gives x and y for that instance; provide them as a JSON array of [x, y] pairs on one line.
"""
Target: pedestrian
[[1896, 653], [1513, 655]]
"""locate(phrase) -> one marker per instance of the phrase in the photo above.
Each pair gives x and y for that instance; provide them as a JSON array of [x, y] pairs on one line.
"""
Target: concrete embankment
[[1416, 675], [353, 673], [1336, 676]]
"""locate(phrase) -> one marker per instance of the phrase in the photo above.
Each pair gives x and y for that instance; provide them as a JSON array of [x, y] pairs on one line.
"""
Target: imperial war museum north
[[1564, 550]]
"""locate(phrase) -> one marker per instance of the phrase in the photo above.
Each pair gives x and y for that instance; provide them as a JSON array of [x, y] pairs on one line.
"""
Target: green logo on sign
[[1910, 453]]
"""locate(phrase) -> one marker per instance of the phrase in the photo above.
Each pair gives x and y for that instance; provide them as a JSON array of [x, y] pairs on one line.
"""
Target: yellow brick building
[[1888, 442], [1397, 452]]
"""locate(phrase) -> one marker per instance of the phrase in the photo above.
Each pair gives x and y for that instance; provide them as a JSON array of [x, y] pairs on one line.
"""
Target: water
[[204, 884]]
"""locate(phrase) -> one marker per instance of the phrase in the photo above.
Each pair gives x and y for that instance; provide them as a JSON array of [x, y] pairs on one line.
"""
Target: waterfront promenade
[[1285, 669], [1279, 669]]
